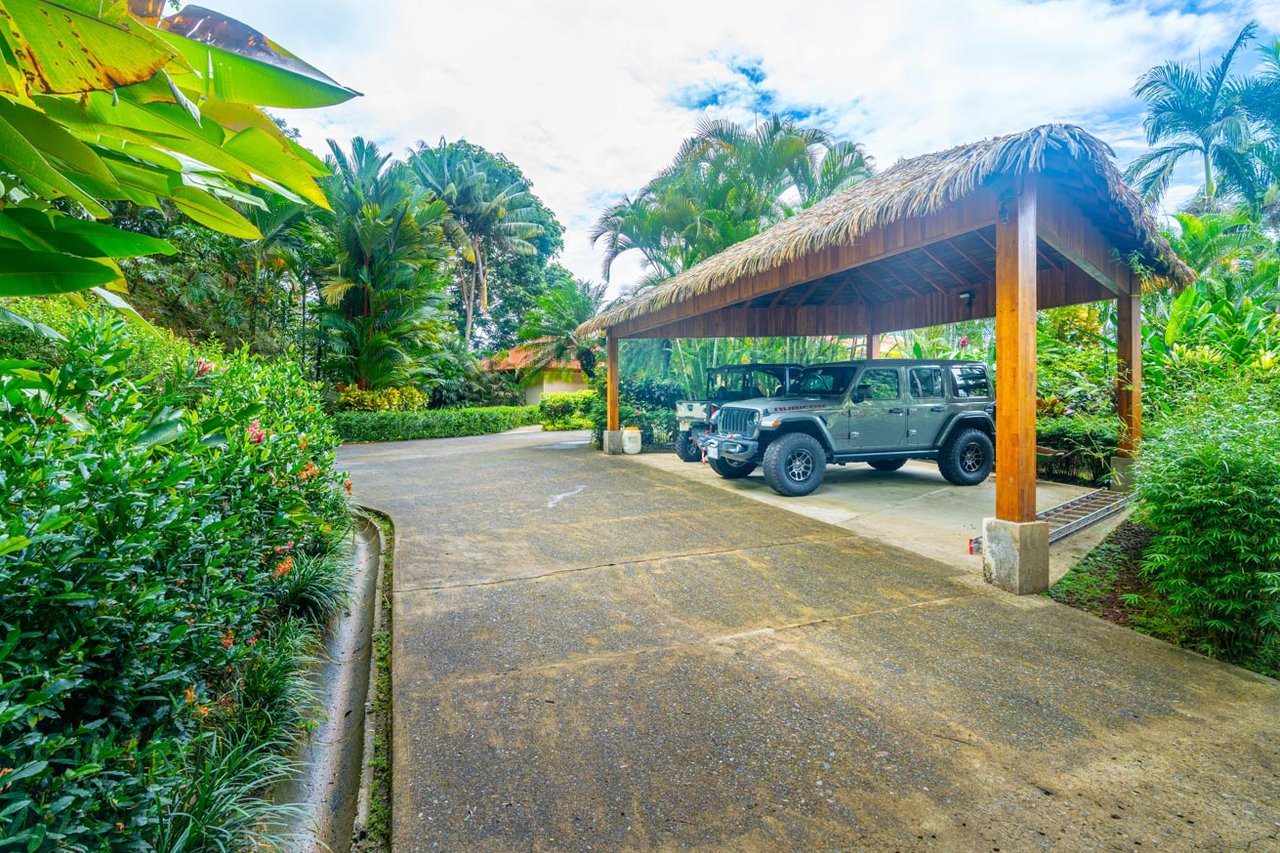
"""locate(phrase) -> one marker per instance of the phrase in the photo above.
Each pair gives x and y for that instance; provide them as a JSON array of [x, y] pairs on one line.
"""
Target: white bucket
[[631, 441]]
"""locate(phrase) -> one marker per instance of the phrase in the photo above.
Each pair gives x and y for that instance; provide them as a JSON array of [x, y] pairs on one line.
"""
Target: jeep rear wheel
[[731, 470], [887, 464], [967, 458], [686, 448], [795, 464]]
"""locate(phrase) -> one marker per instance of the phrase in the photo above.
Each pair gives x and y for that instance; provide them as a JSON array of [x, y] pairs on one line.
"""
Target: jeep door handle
[[938, 409], [897, 411]]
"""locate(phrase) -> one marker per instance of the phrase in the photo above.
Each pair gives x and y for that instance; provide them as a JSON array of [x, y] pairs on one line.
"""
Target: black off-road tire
[[686, 448], [794, 464], [887, 464], [731, 470], [967, 458]]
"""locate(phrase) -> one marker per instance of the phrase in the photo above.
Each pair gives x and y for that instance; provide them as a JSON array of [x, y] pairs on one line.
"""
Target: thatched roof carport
[[998, 228]]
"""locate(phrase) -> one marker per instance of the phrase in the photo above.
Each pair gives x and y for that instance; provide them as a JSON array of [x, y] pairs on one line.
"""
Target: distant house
[[558, 377]]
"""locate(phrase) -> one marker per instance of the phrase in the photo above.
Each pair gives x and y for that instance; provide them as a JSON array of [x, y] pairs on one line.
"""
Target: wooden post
[[611, 350], [1016, 358], [873, 345], [1129, 371]]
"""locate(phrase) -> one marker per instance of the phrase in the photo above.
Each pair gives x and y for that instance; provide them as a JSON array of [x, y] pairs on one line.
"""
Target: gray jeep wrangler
[[882, 412]]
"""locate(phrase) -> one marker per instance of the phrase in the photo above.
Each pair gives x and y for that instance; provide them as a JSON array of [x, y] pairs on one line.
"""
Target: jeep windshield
[[826, 380]]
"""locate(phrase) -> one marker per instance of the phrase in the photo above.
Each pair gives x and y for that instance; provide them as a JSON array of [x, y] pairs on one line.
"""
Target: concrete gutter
[[331, 761]]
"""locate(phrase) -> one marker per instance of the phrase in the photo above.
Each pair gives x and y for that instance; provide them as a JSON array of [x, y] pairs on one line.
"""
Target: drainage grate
[[1075, 515]]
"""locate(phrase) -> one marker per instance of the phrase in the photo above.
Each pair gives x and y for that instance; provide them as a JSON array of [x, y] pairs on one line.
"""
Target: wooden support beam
[[1016, 358], [931, 256], [1065, 228], [873, 345], [962, 253], [612, 421], [1129, 372], [906, 259]]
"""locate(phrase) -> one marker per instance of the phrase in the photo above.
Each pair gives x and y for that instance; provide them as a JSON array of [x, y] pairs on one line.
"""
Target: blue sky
[[591, 97]]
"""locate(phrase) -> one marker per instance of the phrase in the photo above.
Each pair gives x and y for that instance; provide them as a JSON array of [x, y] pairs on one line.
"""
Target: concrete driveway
[[913, 508], [594, 654]]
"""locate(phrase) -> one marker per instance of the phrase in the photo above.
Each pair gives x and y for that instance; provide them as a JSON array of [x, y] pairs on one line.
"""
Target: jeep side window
[[971, 381], [825, 379], [879, 383], [926, 383]]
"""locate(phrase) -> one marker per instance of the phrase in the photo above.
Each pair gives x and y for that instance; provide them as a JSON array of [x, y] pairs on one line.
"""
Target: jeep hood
[[789, 403]]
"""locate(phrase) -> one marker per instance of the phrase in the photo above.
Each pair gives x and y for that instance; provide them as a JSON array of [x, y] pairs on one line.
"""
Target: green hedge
[[434, 423], [170, 546], [566, 411]]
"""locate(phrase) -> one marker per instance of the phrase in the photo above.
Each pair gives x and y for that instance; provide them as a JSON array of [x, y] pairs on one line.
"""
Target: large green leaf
[[22, 158], [82, 237], [53, 140], [27, 273], [212, 213], [277, 162], [78, 46], [233, 62]]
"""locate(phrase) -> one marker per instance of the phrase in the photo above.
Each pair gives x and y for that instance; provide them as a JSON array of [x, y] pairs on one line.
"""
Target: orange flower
[[347, 483], [204, 710], [283, 567], [228, 638], [191, 695], [308, 471]]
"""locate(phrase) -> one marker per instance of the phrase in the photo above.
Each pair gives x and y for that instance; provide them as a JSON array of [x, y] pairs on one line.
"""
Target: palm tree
[[491, 218], [728, 182], [550, 333], [1193, 113], [389, 239]]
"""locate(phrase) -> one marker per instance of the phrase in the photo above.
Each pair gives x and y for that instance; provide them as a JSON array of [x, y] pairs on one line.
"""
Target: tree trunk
[[1208, 176]]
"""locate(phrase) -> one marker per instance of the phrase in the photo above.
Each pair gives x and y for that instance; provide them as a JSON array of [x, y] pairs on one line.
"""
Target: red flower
[[202, 367], [347, 483], [964, 342], [228, 638], [256, 435]]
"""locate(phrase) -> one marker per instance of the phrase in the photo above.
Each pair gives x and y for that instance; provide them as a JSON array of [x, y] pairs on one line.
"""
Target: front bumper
[[729, 446]]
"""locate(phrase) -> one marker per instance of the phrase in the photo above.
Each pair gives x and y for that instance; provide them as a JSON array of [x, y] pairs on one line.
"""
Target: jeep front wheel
[[731, 470], [686, 448], [795, 464], [967, 458]]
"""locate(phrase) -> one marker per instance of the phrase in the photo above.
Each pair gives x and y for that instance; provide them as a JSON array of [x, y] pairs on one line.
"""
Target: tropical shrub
[[648, 404], [383, 400], [566, 411], [1209, 484], [1086, 444], [433, 423], [149, 530]]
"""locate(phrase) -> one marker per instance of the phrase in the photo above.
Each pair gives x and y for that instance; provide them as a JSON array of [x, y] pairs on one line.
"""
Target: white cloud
[[581, 94]]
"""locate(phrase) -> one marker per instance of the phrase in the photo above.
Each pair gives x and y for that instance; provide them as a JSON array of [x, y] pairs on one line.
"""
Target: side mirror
[[859, 395]]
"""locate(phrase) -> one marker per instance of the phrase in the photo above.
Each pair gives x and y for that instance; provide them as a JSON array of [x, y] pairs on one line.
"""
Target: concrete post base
[[1121, 473], [612, 441], [1015, 557]]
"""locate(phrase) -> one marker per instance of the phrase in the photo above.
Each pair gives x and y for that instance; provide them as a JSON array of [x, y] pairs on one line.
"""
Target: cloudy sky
[[591, 97]]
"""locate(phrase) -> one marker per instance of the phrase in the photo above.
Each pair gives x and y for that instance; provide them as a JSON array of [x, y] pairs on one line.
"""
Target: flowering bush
[[149, 636]]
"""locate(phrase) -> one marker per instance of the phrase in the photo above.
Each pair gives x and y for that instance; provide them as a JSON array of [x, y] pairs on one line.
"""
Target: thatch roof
[[911, 188]]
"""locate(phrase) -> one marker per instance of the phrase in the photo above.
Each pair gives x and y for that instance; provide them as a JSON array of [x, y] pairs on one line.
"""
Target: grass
[[1109, 583], [378, 831]]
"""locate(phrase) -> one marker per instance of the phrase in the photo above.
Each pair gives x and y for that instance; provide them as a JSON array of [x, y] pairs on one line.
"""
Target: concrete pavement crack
[[720, 639], [803, 540]]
